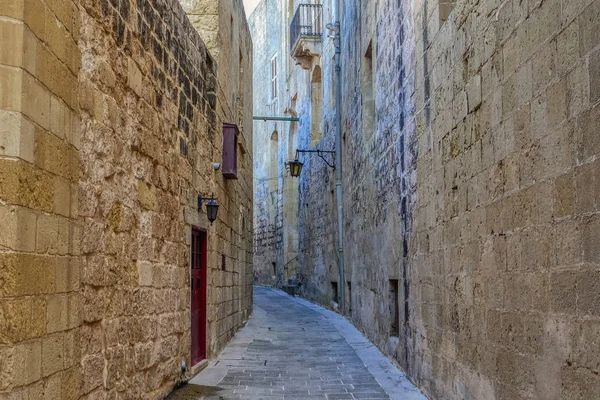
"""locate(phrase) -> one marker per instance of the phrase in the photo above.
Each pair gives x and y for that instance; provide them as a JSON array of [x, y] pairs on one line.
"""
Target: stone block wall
[[112, 116], [40, 311], [469, 202], [276, 195], [502, 257], [230, 46]]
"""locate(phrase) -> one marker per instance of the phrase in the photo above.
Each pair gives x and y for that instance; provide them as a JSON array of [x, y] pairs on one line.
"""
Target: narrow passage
[[292, 349]]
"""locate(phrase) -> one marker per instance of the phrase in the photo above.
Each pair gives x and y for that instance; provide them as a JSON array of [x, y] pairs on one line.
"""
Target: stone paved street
[[292, 349]]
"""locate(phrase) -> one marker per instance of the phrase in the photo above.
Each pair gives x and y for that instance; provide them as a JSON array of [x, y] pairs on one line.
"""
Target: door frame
[[203, 235]]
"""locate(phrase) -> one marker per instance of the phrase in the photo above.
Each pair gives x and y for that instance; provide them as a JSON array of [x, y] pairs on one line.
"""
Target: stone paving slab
[[293, 349]]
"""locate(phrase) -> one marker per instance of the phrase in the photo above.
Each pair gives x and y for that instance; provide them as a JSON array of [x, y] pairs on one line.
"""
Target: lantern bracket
[[321, 154], [212, 207], [202, 198]]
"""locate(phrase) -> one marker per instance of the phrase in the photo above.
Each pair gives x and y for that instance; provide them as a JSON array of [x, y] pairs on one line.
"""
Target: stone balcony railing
[[306, 31]]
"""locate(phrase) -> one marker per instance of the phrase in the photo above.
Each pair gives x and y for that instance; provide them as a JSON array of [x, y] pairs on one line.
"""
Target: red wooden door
[[198, 288]]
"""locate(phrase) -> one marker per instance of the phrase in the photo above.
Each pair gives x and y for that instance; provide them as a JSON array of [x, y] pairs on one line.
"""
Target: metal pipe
[[338, 147], [288, 119]]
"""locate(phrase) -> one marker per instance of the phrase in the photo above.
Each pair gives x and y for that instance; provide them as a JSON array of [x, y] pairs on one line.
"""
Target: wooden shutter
[[230, 145]]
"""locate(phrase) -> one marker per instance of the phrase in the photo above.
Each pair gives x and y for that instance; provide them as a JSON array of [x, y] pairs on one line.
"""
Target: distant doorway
[[198, 294]]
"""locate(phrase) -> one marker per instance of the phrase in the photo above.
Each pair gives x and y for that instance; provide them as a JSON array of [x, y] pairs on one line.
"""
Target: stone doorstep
[[196, 369]]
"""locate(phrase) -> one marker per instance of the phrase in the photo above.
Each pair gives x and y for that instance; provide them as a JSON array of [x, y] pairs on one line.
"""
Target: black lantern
[[212, 208], [295, 168]]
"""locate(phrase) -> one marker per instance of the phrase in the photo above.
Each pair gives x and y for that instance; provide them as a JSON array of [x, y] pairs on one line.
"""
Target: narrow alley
[[292, 349], [299, 199]]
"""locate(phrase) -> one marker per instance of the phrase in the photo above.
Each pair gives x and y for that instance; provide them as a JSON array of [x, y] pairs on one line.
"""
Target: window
[[394, 311], [349, 301], [274, 77], [334, 289], [368, 94], [230, 151]]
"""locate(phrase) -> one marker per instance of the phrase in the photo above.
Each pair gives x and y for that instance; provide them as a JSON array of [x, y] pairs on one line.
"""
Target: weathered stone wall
[[113, 116], [39, 172], [232, 47], [503, 255], [276, 193], [469, 202], [267, 40]]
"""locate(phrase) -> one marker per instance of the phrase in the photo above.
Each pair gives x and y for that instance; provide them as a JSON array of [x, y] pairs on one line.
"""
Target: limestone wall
[[469, 200], [232, 51], [267, 40], [276, 192], [503, 256], [113, 115], [40, 169]]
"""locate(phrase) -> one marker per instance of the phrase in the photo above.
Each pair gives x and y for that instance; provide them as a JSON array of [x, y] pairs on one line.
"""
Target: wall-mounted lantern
[[212, 208], [295, 166]]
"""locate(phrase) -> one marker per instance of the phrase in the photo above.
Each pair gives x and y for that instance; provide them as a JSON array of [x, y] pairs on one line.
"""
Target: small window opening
[[183, 147], [393, 302], [334, 289], [223, 262], [368, 93], [349, 298], [274, 269], [209, 62]]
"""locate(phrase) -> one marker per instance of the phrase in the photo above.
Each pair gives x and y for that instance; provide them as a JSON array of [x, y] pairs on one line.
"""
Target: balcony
[[306, 32]]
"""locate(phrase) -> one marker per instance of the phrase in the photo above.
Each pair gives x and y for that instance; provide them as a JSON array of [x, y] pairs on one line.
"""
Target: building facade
[[275, 242], [113, 115], [470, 146]]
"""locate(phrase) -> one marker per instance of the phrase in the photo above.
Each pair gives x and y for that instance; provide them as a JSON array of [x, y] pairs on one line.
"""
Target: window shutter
[[230, 145]]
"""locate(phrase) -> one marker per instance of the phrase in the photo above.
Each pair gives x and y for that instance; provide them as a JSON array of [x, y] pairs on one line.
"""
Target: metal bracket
[[320, 153], [284, 119], [202, 199]]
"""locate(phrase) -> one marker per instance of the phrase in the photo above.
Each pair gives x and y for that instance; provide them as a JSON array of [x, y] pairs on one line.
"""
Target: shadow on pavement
[[196, 392]]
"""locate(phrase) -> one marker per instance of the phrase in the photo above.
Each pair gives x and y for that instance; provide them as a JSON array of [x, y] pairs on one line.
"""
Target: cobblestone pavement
[[292, 349]]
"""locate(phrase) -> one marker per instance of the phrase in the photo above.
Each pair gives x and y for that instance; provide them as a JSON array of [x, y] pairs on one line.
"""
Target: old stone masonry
[[300, 199], [431, 170]]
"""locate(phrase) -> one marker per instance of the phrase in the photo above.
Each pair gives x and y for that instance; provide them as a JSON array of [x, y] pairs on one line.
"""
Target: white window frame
[[274, 79]]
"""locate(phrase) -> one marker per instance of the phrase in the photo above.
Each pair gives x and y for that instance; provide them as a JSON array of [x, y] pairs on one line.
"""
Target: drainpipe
[[338, 152]]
